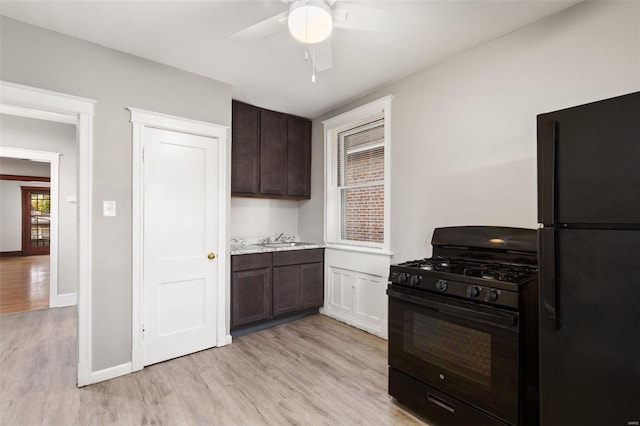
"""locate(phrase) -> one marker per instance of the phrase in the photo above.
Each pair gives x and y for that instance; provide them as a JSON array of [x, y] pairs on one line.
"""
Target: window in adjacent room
[[357, 164]]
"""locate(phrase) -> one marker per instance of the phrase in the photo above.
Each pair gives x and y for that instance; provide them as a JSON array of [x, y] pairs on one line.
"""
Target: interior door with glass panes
[[36, 220]]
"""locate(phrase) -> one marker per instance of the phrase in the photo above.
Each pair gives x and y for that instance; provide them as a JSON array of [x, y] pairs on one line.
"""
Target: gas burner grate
[[467, 268]]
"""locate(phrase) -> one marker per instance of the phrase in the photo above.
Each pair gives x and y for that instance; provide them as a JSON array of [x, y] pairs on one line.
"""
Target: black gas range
[[463, 328], [492, 283]]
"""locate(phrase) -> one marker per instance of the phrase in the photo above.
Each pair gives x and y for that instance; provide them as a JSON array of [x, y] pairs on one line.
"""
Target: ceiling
[[271, 71]]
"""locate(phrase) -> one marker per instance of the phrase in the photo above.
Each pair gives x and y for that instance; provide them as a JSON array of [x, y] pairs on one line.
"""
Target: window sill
[[359, 249]]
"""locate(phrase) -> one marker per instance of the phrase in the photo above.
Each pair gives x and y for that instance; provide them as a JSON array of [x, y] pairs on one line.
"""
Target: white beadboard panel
[[355, 289]]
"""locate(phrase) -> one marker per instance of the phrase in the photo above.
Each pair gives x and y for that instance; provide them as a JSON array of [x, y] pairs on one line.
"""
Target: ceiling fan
[[311, 23]]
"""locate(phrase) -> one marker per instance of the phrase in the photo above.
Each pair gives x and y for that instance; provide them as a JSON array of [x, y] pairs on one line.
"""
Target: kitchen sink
[[281, 245]]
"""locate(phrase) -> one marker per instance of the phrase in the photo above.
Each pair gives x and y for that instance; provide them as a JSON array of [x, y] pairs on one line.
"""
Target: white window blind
[[360, 169]]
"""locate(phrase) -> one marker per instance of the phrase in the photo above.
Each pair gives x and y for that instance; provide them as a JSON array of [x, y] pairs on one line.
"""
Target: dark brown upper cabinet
[[298, 157], [245, 152], [271, 154]]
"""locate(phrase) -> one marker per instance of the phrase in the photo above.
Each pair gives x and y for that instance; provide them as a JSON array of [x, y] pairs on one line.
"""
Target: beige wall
[[36, 57], [463, 148], [40, 135]]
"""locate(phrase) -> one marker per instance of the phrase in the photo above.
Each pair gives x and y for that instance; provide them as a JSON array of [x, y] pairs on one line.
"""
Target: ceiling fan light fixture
[[310, 21]]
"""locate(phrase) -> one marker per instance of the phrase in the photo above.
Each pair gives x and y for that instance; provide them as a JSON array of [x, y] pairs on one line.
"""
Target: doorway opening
[[24, 101], [29, 282]]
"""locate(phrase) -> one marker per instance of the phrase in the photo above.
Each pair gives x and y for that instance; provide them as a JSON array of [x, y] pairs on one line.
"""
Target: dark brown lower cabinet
[[267, 285], [311, 285], [286, 289], [250, 288], [298, 280]]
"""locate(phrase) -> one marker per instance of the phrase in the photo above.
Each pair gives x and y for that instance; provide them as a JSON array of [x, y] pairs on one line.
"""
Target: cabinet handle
[[441, 403], [211, 256]]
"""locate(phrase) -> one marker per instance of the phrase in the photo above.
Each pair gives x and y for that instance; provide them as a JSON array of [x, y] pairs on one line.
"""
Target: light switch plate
[[108, 208]]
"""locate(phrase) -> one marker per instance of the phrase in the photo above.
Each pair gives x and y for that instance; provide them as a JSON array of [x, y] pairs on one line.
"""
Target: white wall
[[40, 135], [37, 57], [463, 148], [263, 218], [17, 166]]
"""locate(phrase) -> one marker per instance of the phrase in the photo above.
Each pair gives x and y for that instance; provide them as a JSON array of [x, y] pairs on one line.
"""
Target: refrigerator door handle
[[549, 312], [548, 190]]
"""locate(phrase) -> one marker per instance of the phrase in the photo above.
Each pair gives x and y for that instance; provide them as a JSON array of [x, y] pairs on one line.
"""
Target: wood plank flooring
[[313, 371], [24, 283]]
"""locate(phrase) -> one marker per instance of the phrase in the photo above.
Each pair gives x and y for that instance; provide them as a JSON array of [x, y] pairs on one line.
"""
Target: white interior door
[[180, 217]]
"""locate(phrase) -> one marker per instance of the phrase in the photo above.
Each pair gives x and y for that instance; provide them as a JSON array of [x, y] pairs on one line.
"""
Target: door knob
[[211, 256]]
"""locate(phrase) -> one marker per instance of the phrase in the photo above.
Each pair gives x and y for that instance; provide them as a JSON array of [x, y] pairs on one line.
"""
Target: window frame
[[332, 128]]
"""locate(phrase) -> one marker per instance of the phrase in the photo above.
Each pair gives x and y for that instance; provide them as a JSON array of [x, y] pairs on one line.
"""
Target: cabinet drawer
[[243, 262], [297, 257]]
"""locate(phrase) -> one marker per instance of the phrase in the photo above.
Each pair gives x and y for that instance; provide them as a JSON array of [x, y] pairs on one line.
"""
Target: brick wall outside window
[[364, 218]]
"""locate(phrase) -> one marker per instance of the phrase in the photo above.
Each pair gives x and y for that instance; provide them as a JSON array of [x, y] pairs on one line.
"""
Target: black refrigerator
[[589, 259]]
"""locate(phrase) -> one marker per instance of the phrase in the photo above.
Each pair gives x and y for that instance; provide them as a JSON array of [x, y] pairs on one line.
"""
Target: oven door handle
[[502, 319]]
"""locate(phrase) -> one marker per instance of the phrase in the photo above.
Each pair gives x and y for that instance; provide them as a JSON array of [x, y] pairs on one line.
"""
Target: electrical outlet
[[108, 208]]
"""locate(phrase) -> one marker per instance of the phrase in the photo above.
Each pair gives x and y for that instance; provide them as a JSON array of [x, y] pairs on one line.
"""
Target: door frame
[[140, 120], [16, 99]]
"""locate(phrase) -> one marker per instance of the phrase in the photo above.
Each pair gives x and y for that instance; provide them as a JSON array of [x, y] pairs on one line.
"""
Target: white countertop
[[257, 248]]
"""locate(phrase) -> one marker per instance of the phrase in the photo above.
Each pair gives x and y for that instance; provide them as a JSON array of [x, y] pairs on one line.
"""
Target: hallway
[[24, 283]]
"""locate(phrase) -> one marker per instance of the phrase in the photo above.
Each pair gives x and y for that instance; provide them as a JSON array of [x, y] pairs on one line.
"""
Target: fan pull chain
[[313, 61], [313, 49], [313, 64]]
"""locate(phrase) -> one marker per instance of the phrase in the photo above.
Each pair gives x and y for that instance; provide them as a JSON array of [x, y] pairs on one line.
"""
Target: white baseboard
[[110, 373], [225, 339], [84, 374], [66, 299]]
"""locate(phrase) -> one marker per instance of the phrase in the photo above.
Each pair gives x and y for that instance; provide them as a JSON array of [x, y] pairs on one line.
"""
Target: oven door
[[466, 350]]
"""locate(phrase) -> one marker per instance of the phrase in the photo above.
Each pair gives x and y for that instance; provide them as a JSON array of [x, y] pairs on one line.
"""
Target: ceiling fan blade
[[262, 29], [358, 17], [322, 55]]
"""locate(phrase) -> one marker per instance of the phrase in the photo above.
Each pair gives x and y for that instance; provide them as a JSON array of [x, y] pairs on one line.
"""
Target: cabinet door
[[286, 289], [251, 296], [273, 153], [298, 157], [245, 148], [311, 285], [341, 291], [368, 305]]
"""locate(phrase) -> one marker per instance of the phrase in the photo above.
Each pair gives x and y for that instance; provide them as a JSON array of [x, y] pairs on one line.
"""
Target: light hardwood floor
[[24, 283], [314, 371]]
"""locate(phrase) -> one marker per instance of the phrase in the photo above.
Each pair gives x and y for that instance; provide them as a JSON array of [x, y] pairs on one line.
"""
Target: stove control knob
[[415, 280], [473, 291], [404, 278], [442, 285], [492, 296]]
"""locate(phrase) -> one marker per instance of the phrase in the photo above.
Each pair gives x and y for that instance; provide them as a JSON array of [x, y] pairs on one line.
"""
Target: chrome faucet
[[278, 237]]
